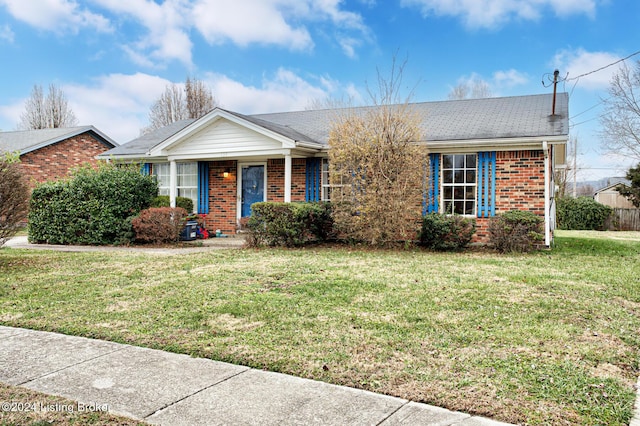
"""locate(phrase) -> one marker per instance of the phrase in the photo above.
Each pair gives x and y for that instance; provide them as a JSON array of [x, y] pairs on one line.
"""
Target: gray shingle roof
[[472, 119], [144, 143], [25, 141]]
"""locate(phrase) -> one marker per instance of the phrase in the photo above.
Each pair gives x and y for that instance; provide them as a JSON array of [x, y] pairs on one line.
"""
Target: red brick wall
[[223, 195], [519, 185], [275, 179], [57, 160]]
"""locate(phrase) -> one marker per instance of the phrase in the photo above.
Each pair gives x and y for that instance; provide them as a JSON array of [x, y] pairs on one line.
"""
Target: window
[[327, 187], [459, 183], [187, 180], [161, 172]]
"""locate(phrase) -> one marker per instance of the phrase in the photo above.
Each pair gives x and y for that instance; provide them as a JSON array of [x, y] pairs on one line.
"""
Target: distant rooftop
[[25, 141]]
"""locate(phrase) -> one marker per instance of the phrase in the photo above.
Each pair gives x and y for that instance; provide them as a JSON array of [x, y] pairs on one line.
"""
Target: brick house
[[49, 154], [486, 156]]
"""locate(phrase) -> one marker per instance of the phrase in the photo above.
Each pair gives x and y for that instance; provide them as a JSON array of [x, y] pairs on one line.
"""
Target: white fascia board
[[269, 153], [216, 114], [475, 145]]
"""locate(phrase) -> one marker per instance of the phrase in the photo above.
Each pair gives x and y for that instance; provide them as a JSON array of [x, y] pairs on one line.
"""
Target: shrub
[[159, 225], [581, 213], [163, 201], [515, 231], [446, 232], [95, 206], [14, 197], [289, 224]]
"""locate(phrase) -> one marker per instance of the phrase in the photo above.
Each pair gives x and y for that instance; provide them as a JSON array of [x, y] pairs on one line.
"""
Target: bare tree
[[621, 119], [14, 197], [476, 88], [376, 168], [199, 98], [178, 102], [42, 112]]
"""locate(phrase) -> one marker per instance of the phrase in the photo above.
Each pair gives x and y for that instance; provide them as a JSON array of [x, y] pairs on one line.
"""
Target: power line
[[601, 68]]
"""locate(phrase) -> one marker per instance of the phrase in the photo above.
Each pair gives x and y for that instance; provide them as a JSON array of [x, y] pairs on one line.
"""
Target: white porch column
[[173, 183], [287, 178]]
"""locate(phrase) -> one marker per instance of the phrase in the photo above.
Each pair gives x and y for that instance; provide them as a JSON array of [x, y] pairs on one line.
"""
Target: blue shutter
[[313, 179], [145, 169], [433, 193], [203, 187], [486, 184]]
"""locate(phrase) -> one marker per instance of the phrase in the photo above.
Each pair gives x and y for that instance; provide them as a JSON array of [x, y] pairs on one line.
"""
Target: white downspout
[[547, 204]]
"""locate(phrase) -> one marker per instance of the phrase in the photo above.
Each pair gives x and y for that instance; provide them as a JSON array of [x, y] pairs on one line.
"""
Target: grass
[[550, 337]]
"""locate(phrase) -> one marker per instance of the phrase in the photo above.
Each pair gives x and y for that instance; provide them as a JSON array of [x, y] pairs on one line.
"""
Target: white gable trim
[[215, 115]]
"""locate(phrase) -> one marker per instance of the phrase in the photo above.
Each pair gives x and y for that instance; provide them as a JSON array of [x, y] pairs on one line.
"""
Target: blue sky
[[113, 58]]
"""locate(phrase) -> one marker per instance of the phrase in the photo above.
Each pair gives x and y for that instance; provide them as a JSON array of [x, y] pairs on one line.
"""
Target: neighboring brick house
[[486, 156], [49, 154]]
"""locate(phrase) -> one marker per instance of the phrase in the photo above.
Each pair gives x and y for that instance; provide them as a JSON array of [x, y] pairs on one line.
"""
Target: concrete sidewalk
[[196, 246], [166, 388]]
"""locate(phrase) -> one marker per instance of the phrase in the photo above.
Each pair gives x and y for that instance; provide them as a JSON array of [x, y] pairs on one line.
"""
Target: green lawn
[[550, 337]]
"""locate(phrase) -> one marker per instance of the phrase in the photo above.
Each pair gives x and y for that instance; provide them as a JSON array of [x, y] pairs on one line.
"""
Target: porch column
[[173, 183], [287, 178]]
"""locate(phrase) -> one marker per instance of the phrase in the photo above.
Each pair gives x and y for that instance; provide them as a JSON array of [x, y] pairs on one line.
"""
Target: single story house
[[49, 154], [487, 156], [609, 196]]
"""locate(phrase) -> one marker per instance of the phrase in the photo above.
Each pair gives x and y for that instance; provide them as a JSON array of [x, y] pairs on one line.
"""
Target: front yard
[[551, 337]]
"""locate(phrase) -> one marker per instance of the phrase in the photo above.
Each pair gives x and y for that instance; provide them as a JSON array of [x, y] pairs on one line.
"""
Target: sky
[[114, 58]]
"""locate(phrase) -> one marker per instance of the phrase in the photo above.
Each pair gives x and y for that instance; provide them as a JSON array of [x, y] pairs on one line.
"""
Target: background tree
[[621, 118], [632, 192], [14, 197], [376, 168], [180, 102], [52, 111], [475, 88]]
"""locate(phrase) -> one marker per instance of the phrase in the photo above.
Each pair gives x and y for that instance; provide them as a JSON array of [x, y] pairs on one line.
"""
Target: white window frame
[[325, 179], [463, 184], [162, 172], [184, 187]]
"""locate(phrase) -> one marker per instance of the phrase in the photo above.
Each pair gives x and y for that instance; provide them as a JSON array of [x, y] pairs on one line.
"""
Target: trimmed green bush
[[446, 232], [95, 206], [157, 225], [182, 202], [582, 213], [289, 224], [516, 231]]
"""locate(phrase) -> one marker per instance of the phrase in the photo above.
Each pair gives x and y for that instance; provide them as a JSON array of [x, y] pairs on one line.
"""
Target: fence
[[624, 220]]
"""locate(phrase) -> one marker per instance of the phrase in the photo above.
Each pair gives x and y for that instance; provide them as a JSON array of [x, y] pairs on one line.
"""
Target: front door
[[252, 187]]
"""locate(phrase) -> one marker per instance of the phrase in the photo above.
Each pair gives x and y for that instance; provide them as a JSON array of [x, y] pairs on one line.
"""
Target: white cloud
[[56, 15], [573, 63], [250, 21], [285, 91], [167, 27], [117, 104], [265, 22], [493, 13], [510, 78]]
